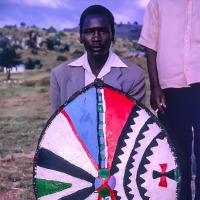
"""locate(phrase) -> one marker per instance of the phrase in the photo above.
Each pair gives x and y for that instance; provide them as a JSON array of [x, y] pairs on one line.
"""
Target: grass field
[[24, 110]]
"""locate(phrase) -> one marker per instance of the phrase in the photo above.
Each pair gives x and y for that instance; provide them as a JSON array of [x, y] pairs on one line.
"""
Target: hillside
[[34, 37], [47, 46], [130, 31]]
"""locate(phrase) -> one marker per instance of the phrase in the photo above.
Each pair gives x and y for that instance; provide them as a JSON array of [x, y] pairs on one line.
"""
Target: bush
[[60, 34], [43, 90], [29, 83], [29, 64], [52, 43], [64, 48], [118, 52], [37, 62], [34, 51], [61, 58], [45, 82], [77, 53]]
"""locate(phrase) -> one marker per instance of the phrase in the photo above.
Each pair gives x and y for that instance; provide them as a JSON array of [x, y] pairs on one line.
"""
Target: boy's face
[[96, 35]]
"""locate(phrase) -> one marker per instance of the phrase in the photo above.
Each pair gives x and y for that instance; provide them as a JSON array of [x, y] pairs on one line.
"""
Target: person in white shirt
[[96, 33], [171, 34]]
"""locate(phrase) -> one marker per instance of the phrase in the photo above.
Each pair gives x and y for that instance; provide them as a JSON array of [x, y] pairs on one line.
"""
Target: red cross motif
[[163, 179]]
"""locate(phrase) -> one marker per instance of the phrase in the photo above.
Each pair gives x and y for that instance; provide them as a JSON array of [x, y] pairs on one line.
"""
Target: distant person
[[171, 33], [96, 33]]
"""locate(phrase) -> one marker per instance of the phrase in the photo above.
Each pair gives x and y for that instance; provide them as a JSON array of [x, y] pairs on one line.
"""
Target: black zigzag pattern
[[130, 163], [124, 135], [121, 142], [144, 161]]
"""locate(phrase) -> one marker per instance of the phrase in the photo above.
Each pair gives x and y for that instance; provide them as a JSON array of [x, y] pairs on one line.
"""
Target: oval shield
[[102, 144]]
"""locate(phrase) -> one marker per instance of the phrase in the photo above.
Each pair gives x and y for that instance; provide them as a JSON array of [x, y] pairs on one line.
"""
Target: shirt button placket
[[187, 38]]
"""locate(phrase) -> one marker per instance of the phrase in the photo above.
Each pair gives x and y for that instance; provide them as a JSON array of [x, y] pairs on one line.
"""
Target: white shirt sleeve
[[150, 29]]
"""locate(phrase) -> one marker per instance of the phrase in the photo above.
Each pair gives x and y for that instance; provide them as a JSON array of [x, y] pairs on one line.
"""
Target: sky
[[65, 13]]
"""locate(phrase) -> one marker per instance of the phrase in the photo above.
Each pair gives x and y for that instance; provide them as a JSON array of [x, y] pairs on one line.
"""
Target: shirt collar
[[113, 61]]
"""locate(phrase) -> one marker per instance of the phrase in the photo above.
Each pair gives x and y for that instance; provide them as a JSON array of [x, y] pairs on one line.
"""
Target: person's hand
[[157, 99]]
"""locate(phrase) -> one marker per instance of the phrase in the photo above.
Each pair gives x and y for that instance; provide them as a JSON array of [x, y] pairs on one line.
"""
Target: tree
[[52, 43], [33, 26], [10, 26], [23, 25], [9, 59], [4, 42], [51, 30], [32, 39]]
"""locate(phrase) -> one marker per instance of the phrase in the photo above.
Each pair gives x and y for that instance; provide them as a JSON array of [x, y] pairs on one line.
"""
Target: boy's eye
[[104, 31], [99, 31], [88, 31]]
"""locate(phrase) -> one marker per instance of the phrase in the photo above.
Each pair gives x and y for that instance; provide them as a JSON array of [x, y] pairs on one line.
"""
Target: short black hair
[[98, 9]]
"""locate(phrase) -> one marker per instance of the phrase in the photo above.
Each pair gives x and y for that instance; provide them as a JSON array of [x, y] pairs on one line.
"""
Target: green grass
[[25, 108]]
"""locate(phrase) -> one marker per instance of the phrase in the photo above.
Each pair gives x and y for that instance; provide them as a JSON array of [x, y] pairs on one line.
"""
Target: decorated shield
[[103, 145]]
